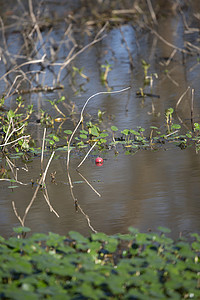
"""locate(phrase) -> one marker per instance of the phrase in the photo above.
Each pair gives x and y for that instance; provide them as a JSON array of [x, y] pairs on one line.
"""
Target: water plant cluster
[[131, 266], [15, 137]]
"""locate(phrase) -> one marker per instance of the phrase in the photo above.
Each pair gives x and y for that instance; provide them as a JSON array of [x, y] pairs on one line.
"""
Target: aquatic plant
[[131, 266]]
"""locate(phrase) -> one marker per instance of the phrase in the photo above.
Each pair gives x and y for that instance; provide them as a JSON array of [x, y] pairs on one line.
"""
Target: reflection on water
[[145, 190]]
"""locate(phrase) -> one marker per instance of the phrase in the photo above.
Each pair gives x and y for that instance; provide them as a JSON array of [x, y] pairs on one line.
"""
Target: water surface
[[144, 190]]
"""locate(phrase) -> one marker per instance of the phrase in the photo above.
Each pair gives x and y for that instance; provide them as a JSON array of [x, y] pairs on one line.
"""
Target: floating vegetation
[[131, 266]]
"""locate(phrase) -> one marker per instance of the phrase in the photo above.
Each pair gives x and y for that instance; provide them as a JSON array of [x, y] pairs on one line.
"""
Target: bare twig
[[43, 143], [40, 184], [15, 211], [166, 42], [46, 196], [87, 154], [88, 219], [171, 79], [181, 97], [42, 179], [71, 190], [48, 164], [153, 15], [12, 167], [7, 132], [35, 21], [63, 65], [15, 181], [22, 137], [170, 57], [14, 130], [172, 133], [22, 65], [89, 184], [101, 30], [32, 200], [3, 35], [123, 11], [192, 110]]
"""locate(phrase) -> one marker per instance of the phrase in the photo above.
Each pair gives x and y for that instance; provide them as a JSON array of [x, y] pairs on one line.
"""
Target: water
[[144, 190]]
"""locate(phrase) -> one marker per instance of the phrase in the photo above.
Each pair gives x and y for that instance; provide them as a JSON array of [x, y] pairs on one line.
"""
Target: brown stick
[[192, 110]]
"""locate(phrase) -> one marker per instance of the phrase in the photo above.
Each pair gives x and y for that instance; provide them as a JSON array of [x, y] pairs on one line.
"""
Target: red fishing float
[[99, 161]]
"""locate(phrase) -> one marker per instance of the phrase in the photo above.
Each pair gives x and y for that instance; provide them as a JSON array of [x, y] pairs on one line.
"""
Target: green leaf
[[111, 245], [103, 134], [196, 126], [133, 230], [61, 99], [84, 131], [102, 141], [164, 229], [134, 132], [56, 139], [153, 127], [51, 142], [13, 186], [83, 136], [68, 131], [114, 128], [116, 284], [176, 126], [100, 236], [18, 294], [21, 229], [189, 135], [125, 132], [10, 114], [78, 237], [94, 131]]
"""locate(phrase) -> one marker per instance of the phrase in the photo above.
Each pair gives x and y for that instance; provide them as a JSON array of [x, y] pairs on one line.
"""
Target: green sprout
[[55, 103], [106, 69]]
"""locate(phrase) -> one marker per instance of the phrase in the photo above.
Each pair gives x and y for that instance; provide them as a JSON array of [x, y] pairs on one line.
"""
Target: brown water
[[144, 190]]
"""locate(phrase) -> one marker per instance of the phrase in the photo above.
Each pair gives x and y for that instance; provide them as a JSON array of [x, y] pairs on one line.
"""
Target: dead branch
[[81, 117], [181, 97]]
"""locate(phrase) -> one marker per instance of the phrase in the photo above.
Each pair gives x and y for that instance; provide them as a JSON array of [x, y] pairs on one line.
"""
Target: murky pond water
[[144, 190]]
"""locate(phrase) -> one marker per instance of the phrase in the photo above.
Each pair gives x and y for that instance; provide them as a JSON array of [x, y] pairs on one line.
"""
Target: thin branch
[[48, 164], [35, 21], [76, 54], [22, 137], [166, 42], [41, 182], [32, 200], [71, 190], [24, 64], [7, 132], [181, 97], [89, 184], [46, 196], [153, 15], [15, 211], [14, 130], [87, 154], [43, 143], [172, 133], [11, 180], [81, 117], [88, 219], [192, 110]]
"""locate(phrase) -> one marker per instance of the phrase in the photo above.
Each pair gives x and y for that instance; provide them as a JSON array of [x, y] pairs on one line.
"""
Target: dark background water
[[144, 190]]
